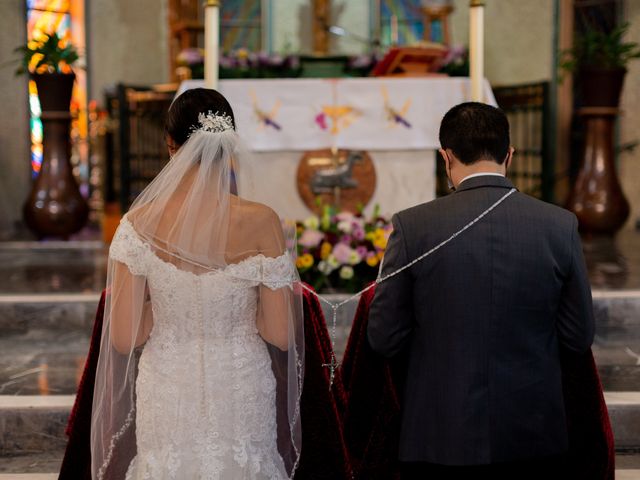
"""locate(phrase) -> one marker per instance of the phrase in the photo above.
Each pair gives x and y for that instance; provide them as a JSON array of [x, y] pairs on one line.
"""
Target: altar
[[394, 120]]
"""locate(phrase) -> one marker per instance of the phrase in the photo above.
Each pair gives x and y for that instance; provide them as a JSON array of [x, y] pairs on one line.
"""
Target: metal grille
[[527, 108], [136, 150]]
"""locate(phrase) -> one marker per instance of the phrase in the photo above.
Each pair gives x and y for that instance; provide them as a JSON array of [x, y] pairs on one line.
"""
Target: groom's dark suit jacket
[[481, 321]]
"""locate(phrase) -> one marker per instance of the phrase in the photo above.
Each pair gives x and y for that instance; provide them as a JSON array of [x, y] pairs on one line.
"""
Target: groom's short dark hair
[[475, 131]]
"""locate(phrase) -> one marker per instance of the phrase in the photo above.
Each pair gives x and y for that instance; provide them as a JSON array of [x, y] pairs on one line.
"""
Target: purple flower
[[292, 62], [358, 232], [226, 62], [362, 251], [275, 61], [190, 56], [455, 54], [361, 61]]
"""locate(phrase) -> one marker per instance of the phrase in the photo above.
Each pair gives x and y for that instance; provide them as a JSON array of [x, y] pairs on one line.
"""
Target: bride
[[201, 359]]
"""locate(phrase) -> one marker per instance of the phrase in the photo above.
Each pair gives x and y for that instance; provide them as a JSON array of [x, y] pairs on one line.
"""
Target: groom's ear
[[445, 156], [509, 159]]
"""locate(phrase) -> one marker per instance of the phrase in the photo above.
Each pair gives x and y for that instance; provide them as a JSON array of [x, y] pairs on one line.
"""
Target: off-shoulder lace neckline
[[259, 256]]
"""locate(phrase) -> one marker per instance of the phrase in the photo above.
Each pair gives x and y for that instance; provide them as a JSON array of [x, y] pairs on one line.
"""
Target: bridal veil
[[197, 217]]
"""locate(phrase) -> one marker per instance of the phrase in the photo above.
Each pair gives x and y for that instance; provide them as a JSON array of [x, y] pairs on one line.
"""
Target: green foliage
[[49, 52], [595, 48]]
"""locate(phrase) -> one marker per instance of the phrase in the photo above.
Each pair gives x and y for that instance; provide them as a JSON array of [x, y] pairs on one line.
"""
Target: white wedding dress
[[205, 390]]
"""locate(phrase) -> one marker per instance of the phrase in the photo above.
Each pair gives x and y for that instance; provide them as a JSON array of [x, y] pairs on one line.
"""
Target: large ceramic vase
[[55, 207], [596, 197]]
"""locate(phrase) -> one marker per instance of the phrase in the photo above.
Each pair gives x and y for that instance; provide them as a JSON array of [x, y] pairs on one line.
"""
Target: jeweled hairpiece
[[213, 122]]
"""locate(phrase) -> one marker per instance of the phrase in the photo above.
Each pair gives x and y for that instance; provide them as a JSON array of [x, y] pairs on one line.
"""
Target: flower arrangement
[[242, 63], [456, 62], [341, 251]]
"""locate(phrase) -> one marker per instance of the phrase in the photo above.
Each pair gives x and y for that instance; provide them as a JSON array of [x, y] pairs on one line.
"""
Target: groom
[[481, 319]]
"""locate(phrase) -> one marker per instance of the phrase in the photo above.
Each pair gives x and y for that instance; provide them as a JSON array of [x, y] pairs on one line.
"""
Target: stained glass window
[[406, 15], [241, 25]]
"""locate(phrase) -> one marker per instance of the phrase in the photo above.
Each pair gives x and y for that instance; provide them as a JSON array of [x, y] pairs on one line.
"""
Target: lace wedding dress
[[205, 389]]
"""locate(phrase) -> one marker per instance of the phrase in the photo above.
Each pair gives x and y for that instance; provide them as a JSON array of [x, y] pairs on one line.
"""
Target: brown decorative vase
[[55, 207], [601, 87], [596, 197]]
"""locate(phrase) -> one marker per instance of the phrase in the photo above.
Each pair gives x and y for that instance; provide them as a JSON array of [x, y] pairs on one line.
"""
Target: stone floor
[[49, 292]]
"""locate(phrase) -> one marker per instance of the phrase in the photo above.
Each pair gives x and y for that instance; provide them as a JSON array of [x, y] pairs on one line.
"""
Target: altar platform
[[49, 292]]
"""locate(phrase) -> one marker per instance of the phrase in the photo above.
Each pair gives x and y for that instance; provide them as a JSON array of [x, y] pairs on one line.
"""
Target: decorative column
[[476, 49], [596, 197], [211, 42]]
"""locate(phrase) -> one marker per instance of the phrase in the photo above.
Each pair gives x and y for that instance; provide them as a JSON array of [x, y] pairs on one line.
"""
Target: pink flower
[[362, 251], [358, 233], [311, 238], [342, 252], [344, 217]]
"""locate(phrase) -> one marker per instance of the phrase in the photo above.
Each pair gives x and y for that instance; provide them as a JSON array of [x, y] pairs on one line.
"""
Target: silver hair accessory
[[213, 122]]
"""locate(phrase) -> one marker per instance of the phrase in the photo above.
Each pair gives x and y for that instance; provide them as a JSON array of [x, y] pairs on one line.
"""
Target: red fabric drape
[[76, 464]]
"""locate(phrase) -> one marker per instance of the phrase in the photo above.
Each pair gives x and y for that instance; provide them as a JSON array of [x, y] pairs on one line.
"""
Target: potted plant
[[55, 206], [600, 61]]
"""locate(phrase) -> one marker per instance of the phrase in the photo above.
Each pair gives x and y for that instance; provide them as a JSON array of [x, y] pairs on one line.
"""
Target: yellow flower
[[373, 260], [370, 236], [325, 250], [380, 240], [306, 260], [299, 262]]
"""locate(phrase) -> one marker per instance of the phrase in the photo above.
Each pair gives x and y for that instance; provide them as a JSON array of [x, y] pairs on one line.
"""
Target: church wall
[[127, 42], [518, 39], [629, 166], [14, 120]]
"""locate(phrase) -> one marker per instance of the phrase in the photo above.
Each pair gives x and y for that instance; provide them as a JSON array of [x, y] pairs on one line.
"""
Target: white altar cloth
[[378, 113]]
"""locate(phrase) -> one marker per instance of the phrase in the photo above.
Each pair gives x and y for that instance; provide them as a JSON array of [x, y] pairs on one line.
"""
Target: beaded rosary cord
[[334, 364]]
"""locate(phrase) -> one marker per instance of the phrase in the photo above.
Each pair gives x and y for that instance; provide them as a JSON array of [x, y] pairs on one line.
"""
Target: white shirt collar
[[481, 174]]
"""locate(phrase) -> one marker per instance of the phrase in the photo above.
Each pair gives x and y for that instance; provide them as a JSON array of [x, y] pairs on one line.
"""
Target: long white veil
[[189, 218]]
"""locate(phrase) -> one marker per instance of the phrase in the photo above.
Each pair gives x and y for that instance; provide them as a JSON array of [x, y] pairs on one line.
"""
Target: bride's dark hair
[[183, 113]]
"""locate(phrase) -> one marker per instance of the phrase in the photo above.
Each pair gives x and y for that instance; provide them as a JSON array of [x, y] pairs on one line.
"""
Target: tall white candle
[[476, 49], [211, 42], [394, 30]]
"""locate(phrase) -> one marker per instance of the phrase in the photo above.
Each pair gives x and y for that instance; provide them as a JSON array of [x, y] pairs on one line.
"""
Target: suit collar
[[485, 181]]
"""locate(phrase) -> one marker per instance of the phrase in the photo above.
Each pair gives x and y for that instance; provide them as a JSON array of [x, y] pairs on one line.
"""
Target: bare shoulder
[[260, 225], [257, 213]]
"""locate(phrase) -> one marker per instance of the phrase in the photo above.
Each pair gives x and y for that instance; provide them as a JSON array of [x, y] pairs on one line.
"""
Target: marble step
[[21, 313], [31, 466], [41, 362], [617, 316], [50, 362], [617, 312], [35, 424], [52, 267]]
